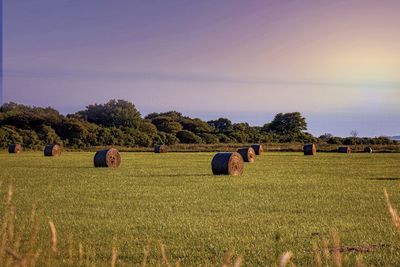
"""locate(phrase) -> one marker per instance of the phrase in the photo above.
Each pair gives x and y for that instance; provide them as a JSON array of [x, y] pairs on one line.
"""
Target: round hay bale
[[344, 149], [14, 148], [258, 149], [107, 158], [161, 149], [368, 149], [248, 154], [52, 150], [227, 163], [310, 149]]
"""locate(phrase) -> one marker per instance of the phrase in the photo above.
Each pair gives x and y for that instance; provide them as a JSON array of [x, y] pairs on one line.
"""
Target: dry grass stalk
[[80, 253], [337, 257], [285, 259], [146, 252], [11, 223], [113, 256], [70, 250], [238, 262], [164, 255], [392, 211], [33, 212], [326, 250], [317, 256], [227, 258], [9, 194], [53, 238]]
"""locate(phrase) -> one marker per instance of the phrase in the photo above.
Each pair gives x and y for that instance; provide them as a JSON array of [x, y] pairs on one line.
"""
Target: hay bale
[[52, 150], [107, 158], [14, 148], [344, 149], [368, 149], [258, 149], [161, 149], [310, 149], [248, 154], [227, 163]]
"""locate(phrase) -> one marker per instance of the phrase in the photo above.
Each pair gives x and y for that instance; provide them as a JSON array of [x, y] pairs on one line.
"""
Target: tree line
[[118, 122]]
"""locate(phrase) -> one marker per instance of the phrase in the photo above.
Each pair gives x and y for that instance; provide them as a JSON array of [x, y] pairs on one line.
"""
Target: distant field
[[284, 201]]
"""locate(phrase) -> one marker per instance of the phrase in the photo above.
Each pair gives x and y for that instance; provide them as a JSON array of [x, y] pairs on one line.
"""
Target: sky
[[336, 62]]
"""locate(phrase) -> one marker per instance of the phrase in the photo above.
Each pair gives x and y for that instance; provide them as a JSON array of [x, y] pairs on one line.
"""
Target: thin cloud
[[188, 77]]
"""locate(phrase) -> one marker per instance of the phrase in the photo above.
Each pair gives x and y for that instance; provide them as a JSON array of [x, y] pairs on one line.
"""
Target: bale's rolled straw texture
[[107, 158], [227, 163], [247, 154], [52, 150], [258, 149], [344, 149], [310, 149], [161, 149], [14, 148], [368, 149]]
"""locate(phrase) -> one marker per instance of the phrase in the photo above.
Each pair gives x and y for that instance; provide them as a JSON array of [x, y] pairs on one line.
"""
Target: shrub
[[8, 135], [187, 137], [209, 138]]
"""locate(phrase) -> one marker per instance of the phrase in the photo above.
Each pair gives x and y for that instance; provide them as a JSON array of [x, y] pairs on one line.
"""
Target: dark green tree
[[187, 137], [174, 115], [113, 113], [195, 125], [286, 124], [166, 124], [221, 125]]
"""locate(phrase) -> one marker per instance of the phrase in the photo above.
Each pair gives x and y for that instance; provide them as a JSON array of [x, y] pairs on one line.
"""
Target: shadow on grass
[[383, 179]]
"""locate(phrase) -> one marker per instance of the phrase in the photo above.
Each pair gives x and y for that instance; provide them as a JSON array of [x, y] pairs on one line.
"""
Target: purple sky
[[337, 62]]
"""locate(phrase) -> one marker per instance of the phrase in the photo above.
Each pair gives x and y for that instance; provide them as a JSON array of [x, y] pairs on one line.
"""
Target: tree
[[9, 135], [48, 135], [286, 124], [174, 115], [30, 139], [166, 124], [114, 113], [325, 136], [195, 125], [209, 138], [117, 122], [165, 139], [187, 137], [354, 133], [221, 125], [148, 128], [135, 137]]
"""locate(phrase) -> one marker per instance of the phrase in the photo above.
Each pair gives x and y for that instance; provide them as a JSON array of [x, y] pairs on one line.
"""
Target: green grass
[[284, 201]]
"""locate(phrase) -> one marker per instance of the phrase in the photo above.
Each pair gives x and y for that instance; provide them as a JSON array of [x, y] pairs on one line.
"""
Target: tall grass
[[19, 247]]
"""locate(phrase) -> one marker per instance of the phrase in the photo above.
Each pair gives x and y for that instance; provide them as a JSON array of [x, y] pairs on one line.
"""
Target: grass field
[[284, 201]]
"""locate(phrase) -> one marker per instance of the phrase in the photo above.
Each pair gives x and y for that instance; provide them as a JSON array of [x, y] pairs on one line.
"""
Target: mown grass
[[283, 202]]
